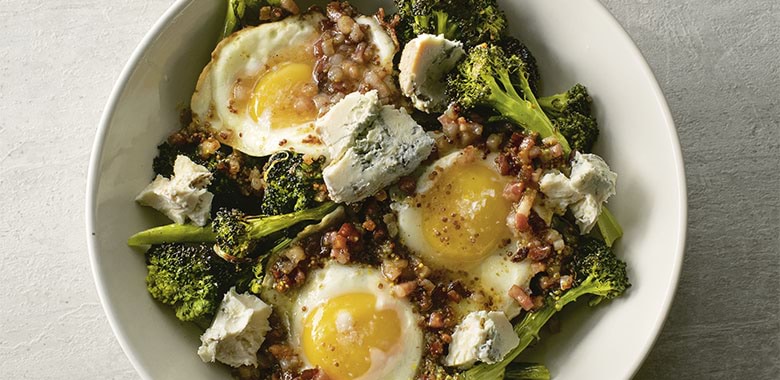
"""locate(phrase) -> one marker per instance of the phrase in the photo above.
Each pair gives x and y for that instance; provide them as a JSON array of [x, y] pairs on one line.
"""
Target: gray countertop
[[716, 61]]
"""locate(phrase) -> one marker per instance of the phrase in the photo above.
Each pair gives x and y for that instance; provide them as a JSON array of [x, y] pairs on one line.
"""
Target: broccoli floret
[[235, 232], [598, 273], [190, 278], [293, 182], [513, 46], [490, 77], [576, 99], [571, 113], [581, 131], [469, 21]]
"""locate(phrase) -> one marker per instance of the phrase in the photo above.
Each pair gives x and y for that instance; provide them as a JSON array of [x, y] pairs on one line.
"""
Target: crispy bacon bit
[[514, 191], [392, 269], [519, 255], [523, 210], [456, 291], [436, 320], [369, 225], [522, 298], [436, 347], [349, 231], [539, 253], [404, 289], [521, 222]]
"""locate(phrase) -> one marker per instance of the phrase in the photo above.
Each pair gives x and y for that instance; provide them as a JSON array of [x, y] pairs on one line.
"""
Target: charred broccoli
[[598, 273], [513, 46], [293, 182], [190, 278], [469, 21], [491, 77], [234, 232], [571, 113]]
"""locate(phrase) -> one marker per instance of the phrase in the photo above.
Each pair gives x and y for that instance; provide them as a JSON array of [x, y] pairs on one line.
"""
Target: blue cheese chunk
[[237, 331], [183, 196], [346, 119], [585, 191], [425, 62], [371, 147], [482, 336]]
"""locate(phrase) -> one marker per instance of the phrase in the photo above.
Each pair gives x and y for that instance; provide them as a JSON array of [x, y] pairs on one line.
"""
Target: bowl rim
[[682, 192], [93, 172], [172, 12]]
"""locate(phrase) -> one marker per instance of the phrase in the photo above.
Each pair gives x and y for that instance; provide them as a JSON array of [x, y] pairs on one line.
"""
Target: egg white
[[335, 280]]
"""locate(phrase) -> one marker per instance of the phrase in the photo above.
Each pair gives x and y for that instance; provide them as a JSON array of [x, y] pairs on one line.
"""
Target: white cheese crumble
[[183, 196], [485, 336], [588, 187], [425, 62], [371, 146], [237, 331]]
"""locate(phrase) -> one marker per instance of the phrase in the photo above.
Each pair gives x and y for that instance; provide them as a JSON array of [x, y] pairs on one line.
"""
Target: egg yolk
[[464, 213], [341, 335], [283, 96]]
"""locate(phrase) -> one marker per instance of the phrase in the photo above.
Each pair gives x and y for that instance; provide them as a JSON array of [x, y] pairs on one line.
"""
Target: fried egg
[[256, 94], [458, 221], [346, 322]]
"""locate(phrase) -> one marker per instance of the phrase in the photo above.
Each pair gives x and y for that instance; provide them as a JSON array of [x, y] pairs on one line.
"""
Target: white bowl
[[572, 40]]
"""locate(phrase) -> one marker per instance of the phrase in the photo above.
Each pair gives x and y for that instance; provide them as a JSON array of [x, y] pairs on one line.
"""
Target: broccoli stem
[[527, 371], [258, 227], [173, 233], [609, 227], [265, 225], [524, 111], [235, 9]]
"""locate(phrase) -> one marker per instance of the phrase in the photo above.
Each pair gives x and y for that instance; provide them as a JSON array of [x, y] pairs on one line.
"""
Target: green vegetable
[[526, 371], [469, 21], [241, 13], [571, 113], [292, 183], [236, 232], [608, 227], [190, 278], [598, 273], [490, 77], [514, 47]]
